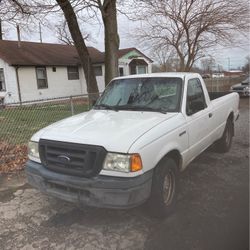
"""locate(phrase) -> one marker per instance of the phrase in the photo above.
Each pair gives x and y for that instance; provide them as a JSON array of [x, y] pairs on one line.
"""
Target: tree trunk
[[80, 45], [182, 64], [111, 39]]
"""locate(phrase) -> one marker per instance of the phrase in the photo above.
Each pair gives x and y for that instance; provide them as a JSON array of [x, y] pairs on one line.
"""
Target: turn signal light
[[136, 163]]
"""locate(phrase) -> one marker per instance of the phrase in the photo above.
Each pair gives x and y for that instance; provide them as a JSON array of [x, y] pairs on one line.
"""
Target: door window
[[195, 97]]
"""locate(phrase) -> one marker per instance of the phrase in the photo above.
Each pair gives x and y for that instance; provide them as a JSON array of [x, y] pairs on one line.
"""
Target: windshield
[[146, 94]]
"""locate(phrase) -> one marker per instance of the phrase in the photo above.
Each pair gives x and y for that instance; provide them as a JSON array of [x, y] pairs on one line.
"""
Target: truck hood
[[115, 131]]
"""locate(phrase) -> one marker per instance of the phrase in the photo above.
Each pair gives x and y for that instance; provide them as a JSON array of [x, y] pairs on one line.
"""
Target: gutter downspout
[[18, 85]]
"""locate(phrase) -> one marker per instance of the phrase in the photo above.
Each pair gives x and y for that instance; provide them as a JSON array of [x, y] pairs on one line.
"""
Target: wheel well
[[176, 156], [231, 118]]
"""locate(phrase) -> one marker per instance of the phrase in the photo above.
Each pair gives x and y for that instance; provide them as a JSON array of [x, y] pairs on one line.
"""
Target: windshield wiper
[[105, 106], [140, 108]]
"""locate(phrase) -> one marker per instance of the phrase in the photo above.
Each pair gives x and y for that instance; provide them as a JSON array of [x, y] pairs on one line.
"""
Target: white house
[[33, 71]]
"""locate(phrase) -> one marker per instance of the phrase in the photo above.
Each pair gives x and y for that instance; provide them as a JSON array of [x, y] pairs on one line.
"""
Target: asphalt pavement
[[212, 212]]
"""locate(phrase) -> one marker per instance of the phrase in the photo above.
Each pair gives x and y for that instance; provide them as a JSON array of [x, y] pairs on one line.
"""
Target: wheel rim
[[168, 188]]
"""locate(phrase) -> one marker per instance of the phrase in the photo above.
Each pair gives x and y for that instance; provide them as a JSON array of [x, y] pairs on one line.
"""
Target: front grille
[[66, 189], [72, 158]]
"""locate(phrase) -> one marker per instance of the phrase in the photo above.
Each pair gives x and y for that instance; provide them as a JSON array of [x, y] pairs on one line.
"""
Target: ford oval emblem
[[63, 158]]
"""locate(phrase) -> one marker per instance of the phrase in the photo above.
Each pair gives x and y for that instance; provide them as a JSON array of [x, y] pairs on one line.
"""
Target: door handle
[[183, 133], [210, 115]]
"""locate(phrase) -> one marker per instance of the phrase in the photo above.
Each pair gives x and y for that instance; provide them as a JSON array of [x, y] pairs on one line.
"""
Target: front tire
[[164, 188]]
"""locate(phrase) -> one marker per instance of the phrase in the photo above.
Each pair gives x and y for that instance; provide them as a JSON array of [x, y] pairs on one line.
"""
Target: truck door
[[198, 118]]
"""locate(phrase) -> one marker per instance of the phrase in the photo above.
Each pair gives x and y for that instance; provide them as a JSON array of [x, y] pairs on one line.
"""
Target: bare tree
[[63, 34], [166, 59], [108, 11], [15, 10], [189, 27], [74, 11], [109, 17], [30, 11], [207, 64], [80, 45]]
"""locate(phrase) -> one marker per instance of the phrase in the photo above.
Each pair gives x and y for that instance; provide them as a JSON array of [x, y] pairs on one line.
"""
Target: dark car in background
[[243, 88]]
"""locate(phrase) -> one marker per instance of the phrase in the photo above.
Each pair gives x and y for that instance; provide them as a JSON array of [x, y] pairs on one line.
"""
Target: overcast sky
[[233, 57]]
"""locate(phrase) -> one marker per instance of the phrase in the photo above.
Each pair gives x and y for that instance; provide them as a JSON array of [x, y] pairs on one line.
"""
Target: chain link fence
[[19, 121], [222, 84]]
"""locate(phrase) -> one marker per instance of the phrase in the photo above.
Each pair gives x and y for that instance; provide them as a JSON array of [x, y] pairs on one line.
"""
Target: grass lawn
[[18, 124]]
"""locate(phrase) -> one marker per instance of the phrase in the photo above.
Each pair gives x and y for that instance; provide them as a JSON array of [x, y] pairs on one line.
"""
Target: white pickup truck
[[132, 145]]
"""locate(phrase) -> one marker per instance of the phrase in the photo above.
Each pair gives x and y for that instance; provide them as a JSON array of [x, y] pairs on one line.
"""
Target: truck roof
[[162, 74]]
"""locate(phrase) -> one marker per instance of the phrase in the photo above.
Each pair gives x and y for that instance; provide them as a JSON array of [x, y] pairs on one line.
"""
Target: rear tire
[[224, 144], [164, 188]]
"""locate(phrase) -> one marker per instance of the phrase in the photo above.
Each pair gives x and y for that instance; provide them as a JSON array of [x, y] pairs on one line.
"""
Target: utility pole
[[40, 33], [18, 36]]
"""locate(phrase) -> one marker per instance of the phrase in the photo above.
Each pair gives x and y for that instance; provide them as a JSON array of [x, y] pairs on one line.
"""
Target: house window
[[98, 70], [141, 69], [2, 81], [41, 76], [54, 69], [121, 71], [73, 72]]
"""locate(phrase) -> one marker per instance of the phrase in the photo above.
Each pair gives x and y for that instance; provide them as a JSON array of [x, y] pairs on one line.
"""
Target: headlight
[[33, 151], [246, 88], [123, 162]]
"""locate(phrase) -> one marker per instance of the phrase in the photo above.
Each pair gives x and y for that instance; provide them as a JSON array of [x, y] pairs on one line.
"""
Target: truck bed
[[215, 95]]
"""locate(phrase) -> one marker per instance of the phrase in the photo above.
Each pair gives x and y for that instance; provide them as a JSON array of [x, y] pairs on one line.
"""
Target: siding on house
[[101, 79], [11, 93], [30, 55], [58, 84], [129, 56]]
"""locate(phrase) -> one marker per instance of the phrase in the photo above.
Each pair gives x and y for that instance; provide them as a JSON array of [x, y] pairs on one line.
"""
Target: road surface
[[211, 213]]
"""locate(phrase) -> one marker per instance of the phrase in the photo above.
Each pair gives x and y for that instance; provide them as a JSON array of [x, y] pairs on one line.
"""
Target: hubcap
[[168, 188]]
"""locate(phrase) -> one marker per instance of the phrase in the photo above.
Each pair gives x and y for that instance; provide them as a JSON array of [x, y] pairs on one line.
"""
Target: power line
[[227, 48]]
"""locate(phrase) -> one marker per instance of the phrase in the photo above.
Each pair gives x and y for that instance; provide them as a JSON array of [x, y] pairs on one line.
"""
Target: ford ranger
[[130, 148]]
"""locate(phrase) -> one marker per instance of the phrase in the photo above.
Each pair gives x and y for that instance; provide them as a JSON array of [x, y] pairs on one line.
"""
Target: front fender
[[166, 137]]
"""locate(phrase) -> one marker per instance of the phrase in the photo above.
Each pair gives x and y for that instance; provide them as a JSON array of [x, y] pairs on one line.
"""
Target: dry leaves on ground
[[12, 157]]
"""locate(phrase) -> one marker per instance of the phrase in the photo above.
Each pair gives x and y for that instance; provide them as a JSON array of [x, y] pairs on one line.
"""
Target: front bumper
[[99, 191]]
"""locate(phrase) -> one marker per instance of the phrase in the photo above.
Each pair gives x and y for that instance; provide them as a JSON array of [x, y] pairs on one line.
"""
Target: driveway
[[211, 213]]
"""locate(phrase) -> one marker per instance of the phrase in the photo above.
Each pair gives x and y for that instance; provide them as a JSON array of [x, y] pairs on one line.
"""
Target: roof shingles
[[48, 54]]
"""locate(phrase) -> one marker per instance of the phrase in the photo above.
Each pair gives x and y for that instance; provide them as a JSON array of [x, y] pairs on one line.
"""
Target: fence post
[[71, 105], [88, 101], [217, 84]]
